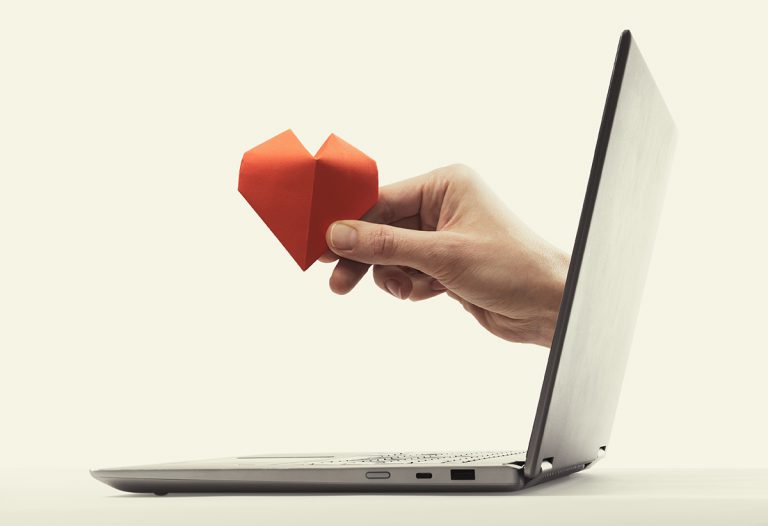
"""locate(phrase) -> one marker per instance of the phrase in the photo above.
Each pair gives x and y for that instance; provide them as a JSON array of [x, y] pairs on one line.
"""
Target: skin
[[445, 232]]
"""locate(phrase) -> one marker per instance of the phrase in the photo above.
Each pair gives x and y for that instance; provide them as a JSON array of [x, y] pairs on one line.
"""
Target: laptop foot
[[161, 493]]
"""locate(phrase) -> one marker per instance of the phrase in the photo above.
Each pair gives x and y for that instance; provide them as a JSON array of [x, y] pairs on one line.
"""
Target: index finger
[[397, 201]]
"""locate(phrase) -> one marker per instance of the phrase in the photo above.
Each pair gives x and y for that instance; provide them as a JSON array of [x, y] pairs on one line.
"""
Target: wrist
[[556, 271]]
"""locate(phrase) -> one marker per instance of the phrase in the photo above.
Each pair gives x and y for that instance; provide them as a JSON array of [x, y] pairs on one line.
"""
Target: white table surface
[[597, 496]]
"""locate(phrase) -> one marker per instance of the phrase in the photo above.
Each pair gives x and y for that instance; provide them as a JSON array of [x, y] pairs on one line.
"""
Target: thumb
[[378, 244]]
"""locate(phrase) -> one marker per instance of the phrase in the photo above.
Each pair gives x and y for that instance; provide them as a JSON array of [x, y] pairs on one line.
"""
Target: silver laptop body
[[589, 350]]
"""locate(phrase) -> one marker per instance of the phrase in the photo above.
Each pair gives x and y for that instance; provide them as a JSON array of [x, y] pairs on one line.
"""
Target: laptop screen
[[607, 273]]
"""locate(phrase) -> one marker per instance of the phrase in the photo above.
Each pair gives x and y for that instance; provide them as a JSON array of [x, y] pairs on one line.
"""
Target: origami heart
[[298, 195]]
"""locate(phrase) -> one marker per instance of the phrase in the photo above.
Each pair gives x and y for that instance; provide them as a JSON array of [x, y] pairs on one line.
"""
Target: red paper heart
[[298, 195]]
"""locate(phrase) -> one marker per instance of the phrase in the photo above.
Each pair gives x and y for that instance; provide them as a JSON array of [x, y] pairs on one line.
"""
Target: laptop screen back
[[607, 273]]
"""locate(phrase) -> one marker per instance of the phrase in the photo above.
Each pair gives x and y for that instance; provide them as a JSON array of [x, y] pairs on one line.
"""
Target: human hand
[[446, 232]]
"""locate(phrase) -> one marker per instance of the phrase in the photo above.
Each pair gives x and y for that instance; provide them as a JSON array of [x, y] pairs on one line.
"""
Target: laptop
[[587, 358]]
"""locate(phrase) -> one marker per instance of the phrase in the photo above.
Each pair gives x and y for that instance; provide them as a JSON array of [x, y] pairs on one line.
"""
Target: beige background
[[148, 315]]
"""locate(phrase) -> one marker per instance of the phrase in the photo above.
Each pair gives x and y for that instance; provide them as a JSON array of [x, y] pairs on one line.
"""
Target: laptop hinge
[[549, 473]]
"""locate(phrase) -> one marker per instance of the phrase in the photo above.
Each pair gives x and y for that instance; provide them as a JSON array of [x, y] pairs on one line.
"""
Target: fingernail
[[436, 285], [343, 237], [393, 286]]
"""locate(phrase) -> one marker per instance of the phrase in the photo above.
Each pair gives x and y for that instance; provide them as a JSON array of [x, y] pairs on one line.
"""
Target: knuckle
[[460, 172], [382, 242], [454, 174]]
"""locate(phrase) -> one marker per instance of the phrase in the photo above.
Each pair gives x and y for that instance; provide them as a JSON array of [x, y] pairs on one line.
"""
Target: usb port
[[462, 474], [423, 475]]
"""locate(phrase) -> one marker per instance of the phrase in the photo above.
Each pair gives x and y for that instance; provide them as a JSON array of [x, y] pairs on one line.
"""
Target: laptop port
[[462, 474], [423, 475]]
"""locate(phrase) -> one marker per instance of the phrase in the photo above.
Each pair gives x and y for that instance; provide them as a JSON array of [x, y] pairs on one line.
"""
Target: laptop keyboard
[[422, 458]]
